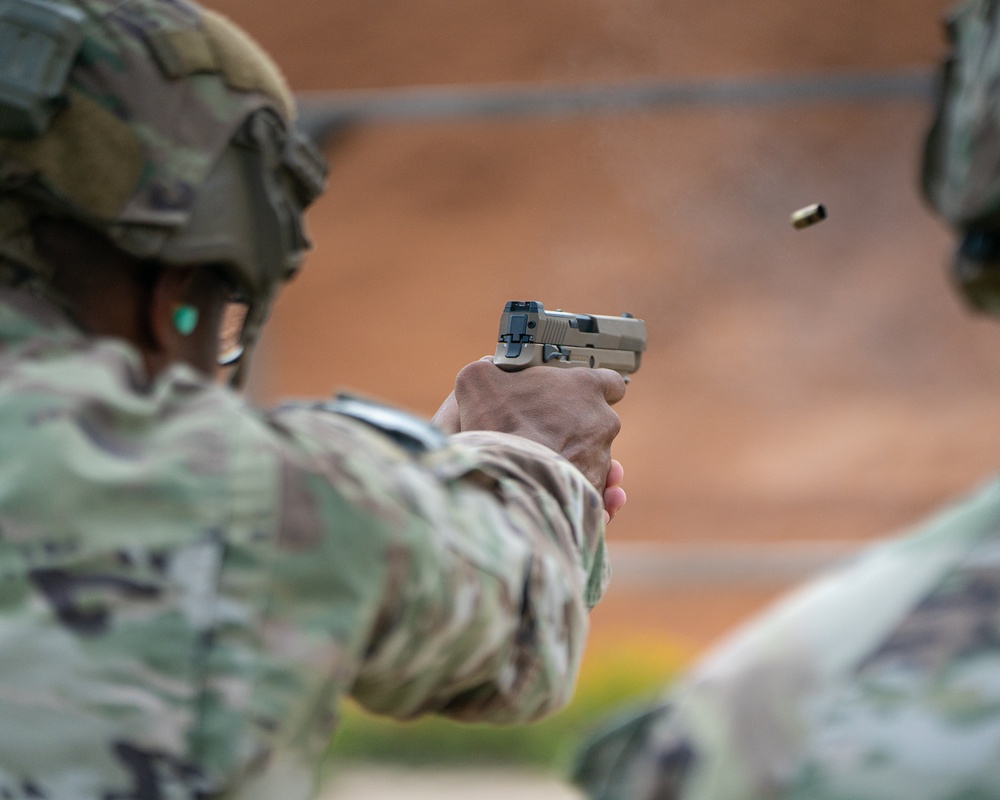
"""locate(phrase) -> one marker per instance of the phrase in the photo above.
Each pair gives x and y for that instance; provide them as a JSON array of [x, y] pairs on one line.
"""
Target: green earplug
[[185, 319]]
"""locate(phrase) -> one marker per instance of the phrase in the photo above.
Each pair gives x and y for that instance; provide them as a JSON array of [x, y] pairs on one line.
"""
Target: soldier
[[880, 681], [188, 585]]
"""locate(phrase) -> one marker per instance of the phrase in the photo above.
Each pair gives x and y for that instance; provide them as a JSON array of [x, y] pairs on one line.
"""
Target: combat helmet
[[159, 124], [961, 166]]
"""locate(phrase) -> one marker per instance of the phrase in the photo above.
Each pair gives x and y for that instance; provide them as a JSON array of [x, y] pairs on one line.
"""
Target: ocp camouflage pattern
[[188, 585], [879, 681]]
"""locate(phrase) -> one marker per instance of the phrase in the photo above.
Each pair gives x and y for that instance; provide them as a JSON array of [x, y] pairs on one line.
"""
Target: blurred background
[[804, 392]]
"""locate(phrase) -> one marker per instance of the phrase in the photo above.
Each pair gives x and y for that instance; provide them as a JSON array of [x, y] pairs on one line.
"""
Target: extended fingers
[[614, 495], [614, 501], [615, 474]]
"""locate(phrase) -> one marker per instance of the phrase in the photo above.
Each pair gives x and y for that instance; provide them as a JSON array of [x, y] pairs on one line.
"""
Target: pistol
[[530, 336]]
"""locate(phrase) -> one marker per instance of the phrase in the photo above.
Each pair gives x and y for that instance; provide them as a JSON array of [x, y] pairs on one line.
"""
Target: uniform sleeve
[[490, 554]]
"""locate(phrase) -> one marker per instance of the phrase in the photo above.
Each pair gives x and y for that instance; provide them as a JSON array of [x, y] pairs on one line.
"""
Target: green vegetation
[[612, 678]]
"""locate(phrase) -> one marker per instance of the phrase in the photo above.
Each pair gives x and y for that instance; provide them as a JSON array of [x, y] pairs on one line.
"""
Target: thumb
[[446, 418]]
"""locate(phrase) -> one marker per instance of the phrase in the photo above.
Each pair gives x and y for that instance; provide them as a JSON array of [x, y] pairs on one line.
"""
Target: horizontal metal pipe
[[651, 565], [322, 112]]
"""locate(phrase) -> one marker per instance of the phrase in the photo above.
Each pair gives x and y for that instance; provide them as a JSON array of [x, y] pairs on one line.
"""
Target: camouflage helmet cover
[[136, 118]]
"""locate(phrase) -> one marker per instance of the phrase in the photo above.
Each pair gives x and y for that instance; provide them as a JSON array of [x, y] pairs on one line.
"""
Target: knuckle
[[474, 371], [612, 384]]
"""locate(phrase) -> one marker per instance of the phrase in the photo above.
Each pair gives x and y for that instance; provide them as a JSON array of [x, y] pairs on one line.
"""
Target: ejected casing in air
[[809, 215]]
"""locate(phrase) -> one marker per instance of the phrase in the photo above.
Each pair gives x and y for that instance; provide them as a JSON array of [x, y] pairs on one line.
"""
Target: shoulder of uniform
[[410, 432]]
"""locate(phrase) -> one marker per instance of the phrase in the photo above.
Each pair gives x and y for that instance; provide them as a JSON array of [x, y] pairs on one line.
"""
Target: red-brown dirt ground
[[803, 386]]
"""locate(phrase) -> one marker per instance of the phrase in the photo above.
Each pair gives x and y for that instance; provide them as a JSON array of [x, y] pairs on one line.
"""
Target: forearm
[[554, 492], [489, 616]]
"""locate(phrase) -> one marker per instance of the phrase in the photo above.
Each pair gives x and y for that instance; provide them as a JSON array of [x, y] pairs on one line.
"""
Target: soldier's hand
[[614, 495], [567, 410]]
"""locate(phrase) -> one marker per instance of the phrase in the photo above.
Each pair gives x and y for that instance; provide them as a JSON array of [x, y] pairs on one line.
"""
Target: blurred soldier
[[881, 681], [187, 584]]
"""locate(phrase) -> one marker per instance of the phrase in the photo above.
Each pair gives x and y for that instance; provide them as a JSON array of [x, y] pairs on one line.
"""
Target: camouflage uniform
[[881, 680], [189, 585]]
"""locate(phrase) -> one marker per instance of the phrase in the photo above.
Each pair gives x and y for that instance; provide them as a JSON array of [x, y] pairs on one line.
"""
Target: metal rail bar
[[322, 113]]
